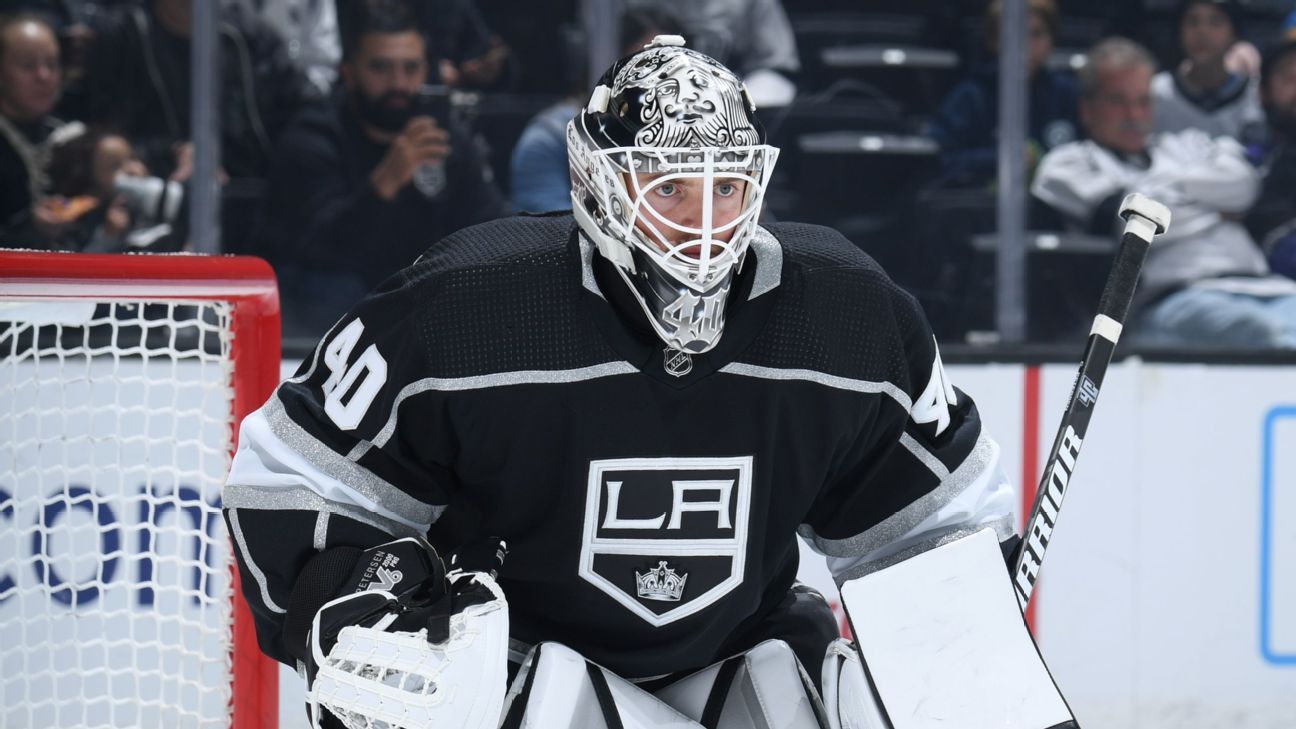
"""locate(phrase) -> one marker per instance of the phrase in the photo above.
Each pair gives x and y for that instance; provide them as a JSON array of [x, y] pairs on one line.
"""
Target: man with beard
[[1205, 284], [1273, 219], [360, 189]]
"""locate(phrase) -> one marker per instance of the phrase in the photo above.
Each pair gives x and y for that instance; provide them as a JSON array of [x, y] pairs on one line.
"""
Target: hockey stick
[[1144, 219]]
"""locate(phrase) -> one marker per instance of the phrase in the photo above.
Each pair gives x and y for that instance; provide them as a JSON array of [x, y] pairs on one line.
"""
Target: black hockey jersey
[[651, 500]]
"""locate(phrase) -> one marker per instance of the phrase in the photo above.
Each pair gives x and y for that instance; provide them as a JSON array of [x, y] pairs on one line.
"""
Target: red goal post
[[122, 382]]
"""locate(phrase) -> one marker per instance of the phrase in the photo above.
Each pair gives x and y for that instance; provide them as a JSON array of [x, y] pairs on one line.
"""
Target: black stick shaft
[[1060, 466]]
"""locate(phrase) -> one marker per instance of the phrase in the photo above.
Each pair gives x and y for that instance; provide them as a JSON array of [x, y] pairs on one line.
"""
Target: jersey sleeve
[[924, 473], [322, 463]]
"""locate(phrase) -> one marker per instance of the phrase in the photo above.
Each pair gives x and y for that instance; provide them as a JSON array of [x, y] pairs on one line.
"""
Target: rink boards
[[1169, 598]]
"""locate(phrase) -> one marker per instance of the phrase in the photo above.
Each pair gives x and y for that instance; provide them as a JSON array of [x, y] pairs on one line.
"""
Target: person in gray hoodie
[[1206, 283]]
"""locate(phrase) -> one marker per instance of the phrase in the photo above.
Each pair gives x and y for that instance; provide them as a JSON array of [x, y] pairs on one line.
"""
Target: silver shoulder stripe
[[502, 379], [769, 262], [821, 378], [301, 498], [334, 473]]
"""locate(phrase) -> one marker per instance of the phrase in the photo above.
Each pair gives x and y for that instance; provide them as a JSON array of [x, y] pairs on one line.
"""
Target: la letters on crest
[[691, 513]]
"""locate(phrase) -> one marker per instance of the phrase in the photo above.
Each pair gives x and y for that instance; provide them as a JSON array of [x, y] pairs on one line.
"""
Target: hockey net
[[122, 381]]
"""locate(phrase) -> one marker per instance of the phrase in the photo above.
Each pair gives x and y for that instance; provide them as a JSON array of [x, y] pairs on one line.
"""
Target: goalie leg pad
[[558, 687], [766, 686], [847, 696]]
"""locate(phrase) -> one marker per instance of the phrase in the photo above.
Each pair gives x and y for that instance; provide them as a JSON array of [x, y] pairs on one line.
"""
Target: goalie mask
[[669, 168]]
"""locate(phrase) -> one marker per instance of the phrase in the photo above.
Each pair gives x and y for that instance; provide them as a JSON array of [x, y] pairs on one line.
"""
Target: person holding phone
[[359, 189]]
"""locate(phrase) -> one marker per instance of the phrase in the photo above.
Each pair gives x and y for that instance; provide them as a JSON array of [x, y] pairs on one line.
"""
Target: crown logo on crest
[[660, 583]]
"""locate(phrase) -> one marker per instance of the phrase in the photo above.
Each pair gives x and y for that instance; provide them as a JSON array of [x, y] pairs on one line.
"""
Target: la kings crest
[[666, 537]]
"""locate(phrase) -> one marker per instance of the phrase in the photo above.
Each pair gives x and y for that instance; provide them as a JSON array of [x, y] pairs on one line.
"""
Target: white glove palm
[[409, 646], [374, 678]]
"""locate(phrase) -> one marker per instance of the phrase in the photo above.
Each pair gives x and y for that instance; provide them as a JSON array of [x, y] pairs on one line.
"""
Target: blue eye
[[725, 189], [666, 189]]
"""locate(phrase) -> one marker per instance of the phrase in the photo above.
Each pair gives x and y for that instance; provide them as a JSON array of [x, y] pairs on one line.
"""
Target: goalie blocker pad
[[944, 643]]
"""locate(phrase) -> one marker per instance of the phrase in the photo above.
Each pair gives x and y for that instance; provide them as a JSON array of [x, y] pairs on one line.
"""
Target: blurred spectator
[[309, 30], [540, 178], [1202, 93], [752, 37], [1205, 283], [360, 189], [119, 207], [460, 47], [537, 182], [966, 125], [73, 22], [139, 82], [1273, 218], [30, 79], [1243, 58]]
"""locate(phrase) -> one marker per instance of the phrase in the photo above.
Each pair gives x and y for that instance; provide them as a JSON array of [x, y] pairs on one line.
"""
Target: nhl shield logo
[[676, 362], [666, 537]]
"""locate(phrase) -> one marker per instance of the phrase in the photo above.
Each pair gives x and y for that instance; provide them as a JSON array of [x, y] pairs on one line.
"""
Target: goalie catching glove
[[408, 645]]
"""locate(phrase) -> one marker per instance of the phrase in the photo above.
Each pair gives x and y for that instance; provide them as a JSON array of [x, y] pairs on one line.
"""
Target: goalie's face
[[674, 211]]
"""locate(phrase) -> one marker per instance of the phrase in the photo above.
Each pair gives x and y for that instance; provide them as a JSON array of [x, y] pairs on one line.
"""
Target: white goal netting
[[115, 584]]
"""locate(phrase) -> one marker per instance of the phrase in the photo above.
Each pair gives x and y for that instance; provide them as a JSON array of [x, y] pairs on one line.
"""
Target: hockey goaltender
[[553, 474]]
